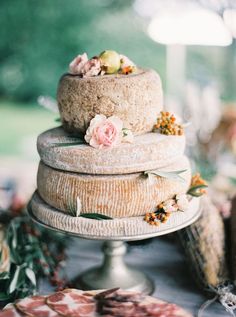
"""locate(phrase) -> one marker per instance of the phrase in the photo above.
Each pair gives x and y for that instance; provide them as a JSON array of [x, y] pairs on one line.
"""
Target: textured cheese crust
[[147, 152], [113, 195], [136, 99], [128, 228]]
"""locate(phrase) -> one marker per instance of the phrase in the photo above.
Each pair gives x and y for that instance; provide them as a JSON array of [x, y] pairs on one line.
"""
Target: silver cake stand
[[113, 272]]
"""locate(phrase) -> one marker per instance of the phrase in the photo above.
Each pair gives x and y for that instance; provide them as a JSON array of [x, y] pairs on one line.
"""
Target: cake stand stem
[[114, 272]]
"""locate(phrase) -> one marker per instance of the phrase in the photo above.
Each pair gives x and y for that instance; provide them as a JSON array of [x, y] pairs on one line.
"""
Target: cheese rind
[[147, 152], [112, 195], [128, 228], [136, 99]]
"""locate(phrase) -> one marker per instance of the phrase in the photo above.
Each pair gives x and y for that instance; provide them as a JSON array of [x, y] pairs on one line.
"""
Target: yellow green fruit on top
[[110, 61]]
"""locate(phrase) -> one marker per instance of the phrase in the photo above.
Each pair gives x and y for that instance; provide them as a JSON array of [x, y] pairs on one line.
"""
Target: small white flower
[[78, 207], [182, 202], [128, 136], [170, 205]]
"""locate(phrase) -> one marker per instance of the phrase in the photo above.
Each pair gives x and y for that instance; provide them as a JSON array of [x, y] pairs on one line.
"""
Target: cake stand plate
[[114, 272]]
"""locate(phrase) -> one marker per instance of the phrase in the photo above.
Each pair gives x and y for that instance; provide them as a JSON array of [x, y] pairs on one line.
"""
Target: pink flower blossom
[[91, 68], [77, 64], [104, 132]]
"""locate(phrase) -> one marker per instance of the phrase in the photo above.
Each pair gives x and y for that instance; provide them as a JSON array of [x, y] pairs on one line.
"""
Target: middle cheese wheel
[[148, 151], [112, 195]]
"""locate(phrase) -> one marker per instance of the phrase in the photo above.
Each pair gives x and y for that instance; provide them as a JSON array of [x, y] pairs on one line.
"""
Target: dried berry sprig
[[179, 202], [128, 70], [157, 217], [198, 186], [197, 180], [151, 218], [166, 124]]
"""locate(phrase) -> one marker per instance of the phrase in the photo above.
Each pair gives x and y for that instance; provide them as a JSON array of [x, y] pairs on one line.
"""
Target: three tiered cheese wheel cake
[[117, 154]]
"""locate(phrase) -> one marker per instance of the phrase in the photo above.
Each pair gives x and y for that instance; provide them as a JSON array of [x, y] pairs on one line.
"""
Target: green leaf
[[66, 144], [28, 258], [31, 276], [14, 281], [14, 237], [4, 275], [22, 279], [57, 119], [72, 209], [194, 190], [174, 175], [13, 241], [4, 296], [125, 131], [96, 216]]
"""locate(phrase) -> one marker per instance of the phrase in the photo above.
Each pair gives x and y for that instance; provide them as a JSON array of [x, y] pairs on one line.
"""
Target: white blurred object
[[173, 104], [229, 17], [178, 23], [191, 25], [23, 172], [48, 103], [148, 8], [211, 111], [176, 70], [223, 184], [222, 191], [226, 167], [203, 110]]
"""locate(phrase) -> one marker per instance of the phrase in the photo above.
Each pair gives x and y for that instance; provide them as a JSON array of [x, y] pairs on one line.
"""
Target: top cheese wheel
[[136, 99]]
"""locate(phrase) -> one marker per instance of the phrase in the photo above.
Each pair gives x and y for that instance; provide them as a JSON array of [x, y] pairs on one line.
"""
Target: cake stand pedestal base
[[114, 272]]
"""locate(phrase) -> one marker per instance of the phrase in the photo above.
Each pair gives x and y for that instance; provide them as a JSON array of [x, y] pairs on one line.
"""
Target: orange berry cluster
[[150, 217], [157, 217], [166, 124], [127, 70]]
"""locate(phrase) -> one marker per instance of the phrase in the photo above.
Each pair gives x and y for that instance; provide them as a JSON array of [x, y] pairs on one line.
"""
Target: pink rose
[[91, 68], [77, 64], [104, 132]]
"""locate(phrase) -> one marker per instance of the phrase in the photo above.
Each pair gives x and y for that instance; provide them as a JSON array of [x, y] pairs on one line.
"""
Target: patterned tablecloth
[[160, 258]]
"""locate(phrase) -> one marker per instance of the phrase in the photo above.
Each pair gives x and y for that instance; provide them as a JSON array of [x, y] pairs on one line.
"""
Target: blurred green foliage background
[[40, 37]]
